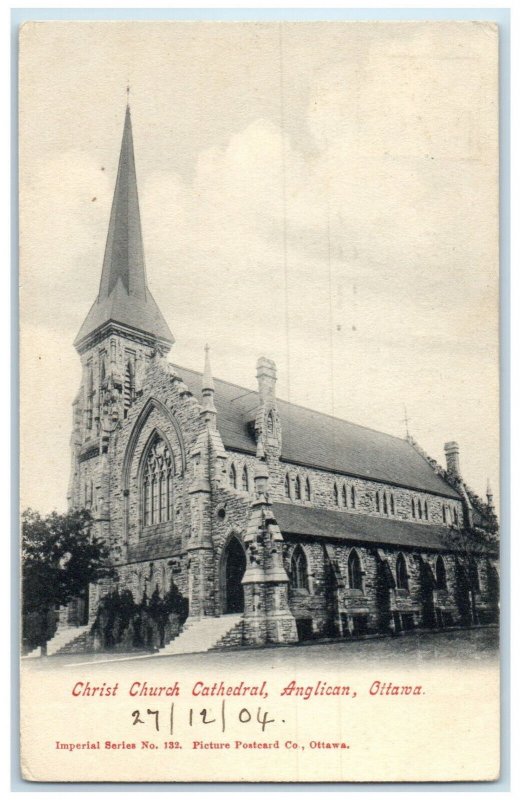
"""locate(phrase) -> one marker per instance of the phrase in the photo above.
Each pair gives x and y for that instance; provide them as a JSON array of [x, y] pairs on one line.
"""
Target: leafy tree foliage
[[60, 556]]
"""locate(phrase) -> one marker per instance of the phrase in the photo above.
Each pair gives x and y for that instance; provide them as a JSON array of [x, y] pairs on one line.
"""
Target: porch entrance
[[233, 567]]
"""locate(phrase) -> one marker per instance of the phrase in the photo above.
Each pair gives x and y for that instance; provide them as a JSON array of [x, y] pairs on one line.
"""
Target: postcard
[[259, 401]]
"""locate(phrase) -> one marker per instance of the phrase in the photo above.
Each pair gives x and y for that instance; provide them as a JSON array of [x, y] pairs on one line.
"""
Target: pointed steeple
[[124, 298]]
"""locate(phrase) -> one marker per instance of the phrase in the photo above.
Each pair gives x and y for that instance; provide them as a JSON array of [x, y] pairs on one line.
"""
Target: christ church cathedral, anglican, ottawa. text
[[273, 523]]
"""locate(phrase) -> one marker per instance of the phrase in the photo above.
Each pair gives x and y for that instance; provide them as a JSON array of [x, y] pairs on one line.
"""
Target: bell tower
[[122, 331]]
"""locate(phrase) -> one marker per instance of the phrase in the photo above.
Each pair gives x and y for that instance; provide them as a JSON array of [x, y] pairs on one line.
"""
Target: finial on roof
[[406, 419], [208, 384]]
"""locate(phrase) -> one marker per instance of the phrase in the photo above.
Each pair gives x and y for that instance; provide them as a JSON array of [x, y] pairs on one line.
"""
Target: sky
[[324, 194]]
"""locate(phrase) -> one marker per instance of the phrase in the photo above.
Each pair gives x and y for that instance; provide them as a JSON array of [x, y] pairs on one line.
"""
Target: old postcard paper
[[259, 401]]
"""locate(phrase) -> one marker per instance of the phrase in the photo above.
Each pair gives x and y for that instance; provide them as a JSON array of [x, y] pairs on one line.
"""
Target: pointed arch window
[[129, 389], [441, 574], [157, 483], [335, 494], [270, 424], [413, 508], [386, 509], [420, 512], [344, 496], [245, 482], [299, 569], [89, 397], [354, 571], [307, 490], [232, 476], [426, 509], [444, 514], [298, 488], [392, 504], [287, 490], [402, 577], [377, 498], [353, 497]]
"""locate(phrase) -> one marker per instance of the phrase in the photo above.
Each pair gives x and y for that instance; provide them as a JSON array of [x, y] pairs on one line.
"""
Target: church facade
[[287, 523]]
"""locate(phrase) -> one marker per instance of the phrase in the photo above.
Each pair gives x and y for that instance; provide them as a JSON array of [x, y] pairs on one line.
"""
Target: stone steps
[[201, 635]]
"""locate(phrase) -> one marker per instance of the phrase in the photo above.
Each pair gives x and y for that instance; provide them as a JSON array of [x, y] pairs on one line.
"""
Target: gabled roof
[[366, 529], [123, 296], [318, 440]]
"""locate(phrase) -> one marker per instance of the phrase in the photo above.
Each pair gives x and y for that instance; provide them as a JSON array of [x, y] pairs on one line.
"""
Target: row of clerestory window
[[301, 489], [346, 496], [419, 509], [450, 514], [384, 503]]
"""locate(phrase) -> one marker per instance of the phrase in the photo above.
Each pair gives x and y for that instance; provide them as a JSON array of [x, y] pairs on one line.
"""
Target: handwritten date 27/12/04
[[164, 719]]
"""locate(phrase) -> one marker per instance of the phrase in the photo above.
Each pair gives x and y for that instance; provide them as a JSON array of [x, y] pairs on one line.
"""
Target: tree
[[60, 556]]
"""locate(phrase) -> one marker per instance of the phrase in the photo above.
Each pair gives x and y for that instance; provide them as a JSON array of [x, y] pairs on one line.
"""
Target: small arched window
[[157, 483], [456, 519], [441, 574], [335, 494], [270, 425], [444, 513], [413, 508], [287, 491], [298, 488], [377, 499], [392, 504], [402, 578], [386, 509], [344, 496], [354, 571], [353, 497], [299, 569], [426, 509], [420, 512], [245, 481], [232, 476], [307, 490]]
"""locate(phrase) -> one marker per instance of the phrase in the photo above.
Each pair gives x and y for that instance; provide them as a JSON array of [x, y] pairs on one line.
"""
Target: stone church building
[[275, 522]]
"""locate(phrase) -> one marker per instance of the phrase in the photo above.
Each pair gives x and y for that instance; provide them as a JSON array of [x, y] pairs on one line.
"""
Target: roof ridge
[[304, 408]]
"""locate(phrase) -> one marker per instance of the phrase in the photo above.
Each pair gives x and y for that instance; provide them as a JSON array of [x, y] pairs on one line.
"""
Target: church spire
[[124, 298]]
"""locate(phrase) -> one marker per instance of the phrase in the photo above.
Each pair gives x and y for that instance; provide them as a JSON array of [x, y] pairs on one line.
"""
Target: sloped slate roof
[[323, 523], [318, 440]]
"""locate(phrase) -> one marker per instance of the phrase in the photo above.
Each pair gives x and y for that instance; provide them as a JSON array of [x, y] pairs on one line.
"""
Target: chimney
[[267, 379], [452, 456]]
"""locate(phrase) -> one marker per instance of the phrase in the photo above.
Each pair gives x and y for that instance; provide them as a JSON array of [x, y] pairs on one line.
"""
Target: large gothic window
[[299, 569], [354, 571], [157, 483]]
